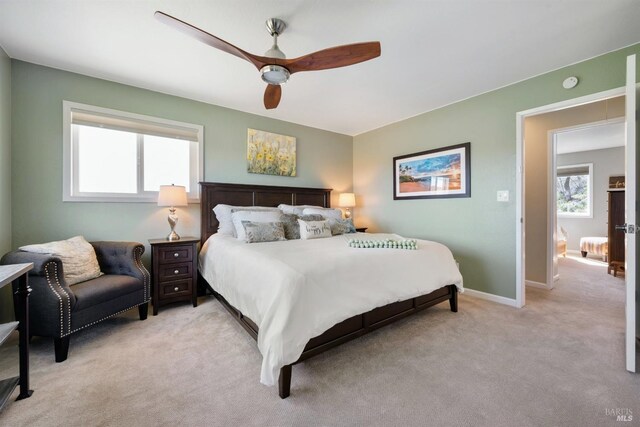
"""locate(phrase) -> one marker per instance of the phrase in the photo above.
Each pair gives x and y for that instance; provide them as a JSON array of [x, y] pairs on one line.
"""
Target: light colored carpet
[[557, 362]]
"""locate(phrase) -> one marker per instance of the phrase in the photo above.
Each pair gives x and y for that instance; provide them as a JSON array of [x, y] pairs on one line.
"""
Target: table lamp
[[172, 196], [347, 200]]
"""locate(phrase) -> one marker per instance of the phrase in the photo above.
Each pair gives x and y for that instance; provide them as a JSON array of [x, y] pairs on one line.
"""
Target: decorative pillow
[[79, 261], [314, 229], [223, 214], [291, 226], [325, 212], [255, 216], [295, 209], [263, 231], [311, 217], [341, 226]]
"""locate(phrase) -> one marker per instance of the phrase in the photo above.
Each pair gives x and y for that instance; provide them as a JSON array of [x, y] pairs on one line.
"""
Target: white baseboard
[[536, 284], [490, 297], [556, 277]]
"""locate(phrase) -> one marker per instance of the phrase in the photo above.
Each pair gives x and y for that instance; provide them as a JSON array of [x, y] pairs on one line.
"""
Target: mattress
[[295, 290]]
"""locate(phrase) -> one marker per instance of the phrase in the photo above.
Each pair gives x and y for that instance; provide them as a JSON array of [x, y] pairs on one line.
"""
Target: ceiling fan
[[274, 67]]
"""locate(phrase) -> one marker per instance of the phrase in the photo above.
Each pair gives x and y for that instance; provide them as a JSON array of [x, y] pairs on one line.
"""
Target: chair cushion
[[104, 288]]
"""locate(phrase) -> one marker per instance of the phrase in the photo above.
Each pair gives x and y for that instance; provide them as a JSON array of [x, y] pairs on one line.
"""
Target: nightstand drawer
[[175, 253], [168, 272], [176, 288]]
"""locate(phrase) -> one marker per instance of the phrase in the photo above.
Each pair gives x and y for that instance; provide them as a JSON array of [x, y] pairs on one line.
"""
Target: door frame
[[520, 118]]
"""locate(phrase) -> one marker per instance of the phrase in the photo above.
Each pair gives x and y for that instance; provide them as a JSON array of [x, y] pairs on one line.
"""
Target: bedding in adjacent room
[[295, 290]]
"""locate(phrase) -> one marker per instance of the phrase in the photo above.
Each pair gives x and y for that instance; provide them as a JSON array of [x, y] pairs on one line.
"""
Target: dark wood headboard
[[213, 193]]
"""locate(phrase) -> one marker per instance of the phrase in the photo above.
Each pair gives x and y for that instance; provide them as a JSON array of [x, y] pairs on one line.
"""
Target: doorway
[[631, 92], [536, 201], [586, 189]]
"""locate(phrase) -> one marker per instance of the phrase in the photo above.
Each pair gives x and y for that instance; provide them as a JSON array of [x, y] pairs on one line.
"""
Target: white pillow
[[327, 213], [254, 216], [295, 209], [314, 229], [79, 261], [223, 215]]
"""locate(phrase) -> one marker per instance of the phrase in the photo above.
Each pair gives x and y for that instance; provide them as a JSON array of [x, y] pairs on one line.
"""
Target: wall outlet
[[503, 196]]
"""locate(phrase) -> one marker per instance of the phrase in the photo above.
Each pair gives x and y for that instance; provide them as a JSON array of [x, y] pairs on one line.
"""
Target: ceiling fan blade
[[334, 57], [210, 39], [272, 96]]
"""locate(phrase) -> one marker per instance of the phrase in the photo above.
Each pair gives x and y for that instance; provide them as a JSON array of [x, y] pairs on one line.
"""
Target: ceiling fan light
[[274, 74]]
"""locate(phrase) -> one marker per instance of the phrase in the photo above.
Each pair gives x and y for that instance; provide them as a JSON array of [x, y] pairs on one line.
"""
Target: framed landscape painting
[[270, 153], [433, 174]]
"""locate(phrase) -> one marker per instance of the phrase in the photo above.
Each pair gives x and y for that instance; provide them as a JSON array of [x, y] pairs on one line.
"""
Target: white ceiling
[[433, 52], [599, 137]]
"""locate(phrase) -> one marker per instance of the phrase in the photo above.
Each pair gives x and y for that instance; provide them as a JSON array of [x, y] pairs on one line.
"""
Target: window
[[574, 192], [115, 156]]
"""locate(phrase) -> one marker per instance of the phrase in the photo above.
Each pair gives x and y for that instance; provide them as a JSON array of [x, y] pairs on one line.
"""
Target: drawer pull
[[176, 255], [176, 271], [176, 289]]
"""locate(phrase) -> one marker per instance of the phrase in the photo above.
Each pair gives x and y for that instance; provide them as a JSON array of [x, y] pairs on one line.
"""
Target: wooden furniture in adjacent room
[[17, 273], [353, 327], [175, 271], [616, 237]]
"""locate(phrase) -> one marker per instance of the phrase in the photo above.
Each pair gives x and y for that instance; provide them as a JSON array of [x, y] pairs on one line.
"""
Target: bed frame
[[356, 326]]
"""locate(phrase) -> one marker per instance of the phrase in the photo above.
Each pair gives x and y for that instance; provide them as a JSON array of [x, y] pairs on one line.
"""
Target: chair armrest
[[39, 261], [51, 299], [122, 258]]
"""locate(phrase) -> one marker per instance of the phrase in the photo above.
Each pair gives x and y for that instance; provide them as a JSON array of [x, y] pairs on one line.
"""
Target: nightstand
[[361, 229], [174, 269]]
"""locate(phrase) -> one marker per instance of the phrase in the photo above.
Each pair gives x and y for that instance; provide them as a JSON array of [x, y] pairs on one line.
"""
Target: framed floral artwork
[[270, 153]]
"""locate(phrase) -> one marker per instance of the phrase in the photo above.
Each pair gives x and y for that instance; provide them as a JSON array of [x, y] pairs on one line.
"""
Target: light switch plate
[[503, 196]]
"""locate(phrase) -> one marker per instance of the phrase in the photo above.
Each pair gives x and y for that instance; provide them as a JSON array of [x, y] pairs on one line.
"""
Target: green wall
[[324, 158], [6, 308], [479, 230]]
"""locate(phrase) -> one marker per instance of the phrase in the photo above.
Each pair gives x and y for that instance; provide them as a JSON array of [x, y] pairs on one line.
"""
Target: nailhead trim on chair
[[145, 273], [46, 272], [55, 267]]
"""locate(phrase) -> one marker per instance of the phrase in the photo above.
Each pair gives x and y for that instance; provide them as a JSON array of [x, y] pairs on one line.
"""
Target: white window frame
[[589, 166], [70, 192]]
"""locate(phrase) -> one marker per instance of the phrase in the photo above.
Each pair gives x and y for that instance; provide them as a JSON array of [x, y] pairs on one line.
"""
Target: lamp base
[[347, 213], [173, 236], [173, 220]]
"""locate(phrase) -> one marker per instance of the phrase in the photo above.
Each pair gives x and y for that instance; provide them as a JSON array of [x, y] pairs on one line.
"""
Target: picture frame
[[616, 182], [271, 153], [440, 173]]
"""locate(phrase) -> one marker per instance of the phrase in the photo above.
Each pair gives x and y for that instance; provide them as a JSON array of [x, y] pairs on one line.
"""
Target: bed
[[594, 245], [297, 306]]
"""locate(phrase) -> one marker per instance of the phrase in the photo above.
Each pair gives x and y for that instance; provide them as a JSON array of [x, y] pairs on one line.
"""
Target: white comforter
[[295, 290]]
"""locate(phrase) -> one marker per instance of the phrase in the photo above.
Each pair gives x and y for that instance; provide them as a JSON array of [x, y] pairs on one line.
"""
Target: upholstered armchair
[[57, 310]]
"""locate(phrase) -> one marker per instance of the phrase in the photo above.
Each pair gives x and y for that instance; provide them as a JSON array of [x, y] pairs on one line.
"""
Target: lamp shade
[[347, 200], [172, 195]]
